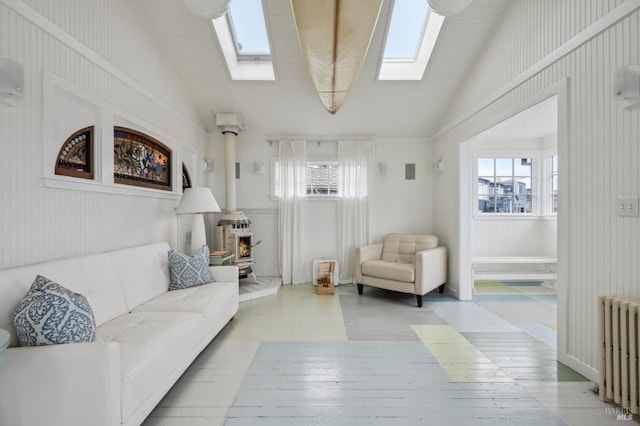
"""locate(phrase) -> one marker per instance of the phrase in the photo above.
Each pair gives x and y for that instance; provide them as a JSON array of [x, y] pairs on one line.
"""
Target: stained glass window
[[140, 160], [186, 180], [76, 155]]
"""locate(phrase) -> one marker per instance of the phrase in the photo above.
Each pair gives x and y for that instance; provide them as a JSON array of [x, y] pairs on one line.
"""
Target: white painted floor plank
[[296, 358]]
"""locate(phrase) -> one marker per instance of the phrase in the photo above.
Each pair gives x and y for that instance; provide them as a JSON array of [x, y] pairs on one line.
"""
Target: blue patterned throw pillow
[[51, 314], [189, 271]]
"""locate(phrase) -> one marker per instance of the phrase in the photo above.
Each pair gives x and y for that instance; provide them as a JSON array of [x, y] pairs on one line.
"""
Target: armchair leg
[[419, 297], [360, 287], [441, 288]]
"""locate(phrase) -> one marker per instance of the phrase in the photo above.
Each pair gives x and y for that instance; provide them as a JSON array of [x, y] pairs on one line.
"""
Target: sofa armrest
[[364, 253], [431, 269], [62, 385], [225, 273]]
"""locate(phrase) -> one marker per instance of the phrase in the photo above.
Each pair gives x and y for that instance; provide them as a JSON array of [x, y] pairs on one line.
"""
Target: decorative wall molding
[[82, 109]]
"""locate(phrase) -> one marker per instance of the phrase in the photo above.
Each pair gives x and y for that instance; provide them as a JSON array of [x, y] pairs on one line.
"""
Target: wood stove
[[233, 233]]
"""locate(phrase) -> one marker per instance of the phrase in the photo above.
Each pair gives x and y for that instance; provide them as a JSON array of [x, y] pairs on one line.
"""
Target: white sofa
[[147, 336], [407, 263]]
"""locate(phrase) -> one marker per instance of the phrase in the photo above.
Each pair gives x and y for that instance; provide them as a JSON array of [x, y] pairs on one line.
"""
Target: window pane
[[522, 166], [485, 167], [509, 190], [522, 184], [504, 167], [247, 19], [322, 178], [408, 20], [486, 202]]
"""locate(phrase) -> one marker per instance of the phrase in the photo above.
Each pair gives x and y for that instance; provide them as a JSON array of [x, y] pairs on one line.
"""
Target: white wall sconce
[[437, 166], [626, 86], [258, 168], [383, 168], [11, 82]]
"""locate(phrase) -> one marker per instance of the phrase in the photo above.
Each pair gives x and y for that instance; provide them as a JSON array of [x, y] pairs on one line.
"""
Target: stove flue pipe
[[230, 123], [230, 169]]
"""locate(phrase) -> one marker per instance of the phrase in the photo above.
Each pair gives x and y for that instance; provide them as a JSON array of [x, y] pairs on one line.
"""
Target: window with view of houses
[[505, 185]]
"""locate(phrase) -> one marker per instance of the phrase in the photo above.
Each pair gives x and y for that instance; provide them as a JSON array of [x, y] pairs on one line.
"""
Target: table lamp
[[197, 201]]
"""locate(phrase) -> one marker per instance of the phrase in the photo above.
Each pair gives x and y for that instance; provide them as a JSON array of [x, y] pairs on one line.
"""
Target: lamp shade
[[448, 7], [197, 200], [207, 9]]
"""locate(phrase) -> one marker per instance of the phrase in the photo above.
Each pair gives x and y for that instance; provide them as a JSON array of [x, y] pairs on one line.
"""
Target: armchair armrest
[[62, 385], [225, 273], [364, 253], [431, 269]]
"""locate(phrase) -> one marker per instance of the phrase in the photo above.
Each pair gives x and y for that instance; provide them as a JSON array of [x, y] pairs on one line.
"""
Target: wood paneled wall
[[103, 49], [581, 43]]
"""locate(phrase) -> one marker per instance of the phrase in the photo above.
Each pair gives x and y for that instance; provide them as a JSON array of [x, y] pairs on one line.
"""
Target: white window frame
[[536, 188], [275, 174], [548, 175], [238, 68], [403, 69]]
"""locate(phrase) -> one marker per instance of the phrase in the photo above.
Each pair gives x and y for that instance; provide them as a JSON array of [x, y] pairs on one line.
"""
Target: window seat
[[514, 268]]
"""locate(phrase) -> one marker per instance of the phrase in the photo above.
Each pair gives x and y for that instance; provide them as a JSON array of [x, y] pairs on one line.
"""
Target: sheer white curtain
[[293, 166], [355, 162]]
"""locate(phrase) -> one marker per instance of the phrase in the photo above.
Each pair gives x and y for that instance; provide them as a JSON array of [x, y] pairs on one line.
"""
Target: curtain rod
[[306, 140], [318, 141]]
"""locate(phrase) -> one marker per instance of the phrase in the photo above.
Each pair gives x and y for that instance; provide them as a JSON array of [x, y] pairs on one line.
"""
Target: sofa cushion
[[389, 270], [189, 271], [403, 247], [154, 346], [142, 272], [207, 300], [52, 314]]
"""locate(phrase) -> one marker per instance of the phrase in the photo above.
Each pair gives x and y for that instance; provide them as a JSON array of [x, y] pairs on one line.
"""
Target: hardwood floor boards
[[297, 358]]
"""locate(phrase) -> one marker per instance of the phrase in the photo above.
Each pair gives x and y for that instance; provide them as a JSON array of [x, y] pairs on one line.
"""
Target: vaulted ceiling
[[289, 106]]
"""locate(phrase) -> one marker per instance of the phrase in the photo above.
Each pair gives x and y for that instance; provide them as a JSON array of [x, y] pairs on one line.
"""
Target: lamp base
[[198, 234]]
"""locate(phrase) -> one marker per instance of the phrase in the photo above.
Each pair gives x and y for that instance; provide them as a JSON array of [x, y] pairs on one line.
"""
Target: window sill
[[506, 216], [61, 182]]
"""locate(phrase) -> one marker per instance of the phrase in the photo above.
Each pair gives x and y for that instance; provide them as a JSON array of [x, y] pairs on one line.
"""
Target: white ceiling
[[535, 122], [289, 106]]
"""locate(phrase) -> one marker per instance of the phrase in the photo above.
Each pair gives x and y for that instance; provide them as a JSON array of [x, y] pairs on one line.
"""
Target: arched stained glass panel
[[140, 160], [76, 155], [186, 180]]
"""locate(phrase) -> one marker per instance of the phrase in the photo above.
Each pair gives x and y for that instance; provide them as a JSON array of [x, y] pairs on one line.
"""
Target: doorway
[[541, 118]]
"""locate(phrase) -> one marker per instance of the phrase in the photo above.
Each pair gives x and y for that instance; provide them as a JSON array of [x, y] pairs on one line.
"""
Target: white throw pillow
[[189, 271], [51, 314]]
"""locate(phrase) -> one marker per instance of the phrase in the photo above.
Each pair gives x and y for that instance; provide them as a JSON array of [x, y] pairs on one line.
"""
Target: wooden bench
[[528, 271]]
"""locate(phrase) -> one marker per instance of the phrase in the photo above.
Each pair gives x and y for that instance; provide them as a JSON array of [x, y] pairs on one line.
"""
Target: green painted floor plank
[[522, 357]]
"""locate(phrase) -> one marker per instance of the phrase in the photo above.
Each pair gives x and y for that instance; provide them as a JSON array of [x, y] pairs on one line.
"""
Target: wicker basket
[[325, 277], [325, 286]]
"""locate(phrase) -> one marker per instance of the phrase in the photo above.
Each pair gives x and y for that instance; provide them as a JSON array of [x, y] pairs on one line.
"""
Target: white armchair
[[408, 263]]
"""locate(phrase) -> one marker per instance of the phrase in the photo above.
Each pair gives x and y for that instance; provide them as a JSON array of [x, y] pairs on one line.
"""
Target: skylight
[[411, 37], [242, 34], [246, 20]]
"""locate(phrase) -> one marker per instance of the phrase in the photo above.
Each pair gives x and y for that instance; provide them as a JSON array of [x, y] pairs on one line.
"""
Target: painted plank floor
[[297, 358]]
